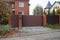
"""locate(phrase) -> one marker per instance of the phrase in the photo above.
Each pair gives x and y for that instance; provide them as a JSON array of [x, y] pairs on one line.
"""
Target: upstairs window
[[21, 4]]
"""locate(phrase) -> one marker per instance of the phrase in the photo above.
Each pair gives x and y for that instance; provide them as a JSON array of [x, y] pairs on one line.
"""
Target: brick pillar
[[20, 21], [44, 19], [9, 20]]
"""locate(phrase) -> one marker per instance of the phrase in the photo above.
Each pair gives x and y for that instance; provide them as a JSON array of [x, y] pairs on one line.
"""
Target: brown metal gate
[[52, 19], [31, 21], [15, 21]]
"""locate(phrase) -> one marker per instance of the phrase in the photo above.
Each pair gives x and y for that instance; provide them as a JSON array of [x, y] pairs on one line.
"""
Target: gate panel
[[15, 21], [52, 19], [32, 21]]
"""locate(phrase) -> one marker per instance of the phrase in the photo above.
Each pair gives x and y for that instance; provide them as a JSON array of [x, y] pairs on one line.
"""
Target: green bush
[[5, 28], [58, 11], [56, 26]]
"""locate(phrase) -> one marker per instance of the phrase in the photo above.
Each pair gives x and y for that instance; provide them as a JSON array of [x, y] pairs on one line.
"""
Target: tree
[[58, 11], [38, 10], [5, 11], [53, 11]]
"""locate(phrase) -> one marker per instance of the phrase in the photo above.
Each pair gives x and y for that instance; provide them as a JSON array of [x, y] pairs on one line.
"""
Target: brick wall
[[25, 8], [44, 19], [20, 21]]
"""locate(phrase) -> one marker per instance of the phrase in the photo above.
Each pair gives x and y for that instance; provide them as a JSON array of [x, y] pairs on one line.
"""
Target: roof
[[48, 5], [55, 2]]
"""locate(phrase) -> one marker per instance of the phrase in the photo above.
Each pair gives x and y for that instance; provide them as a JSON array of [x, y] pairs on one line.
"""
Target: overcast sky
[[42, 3]]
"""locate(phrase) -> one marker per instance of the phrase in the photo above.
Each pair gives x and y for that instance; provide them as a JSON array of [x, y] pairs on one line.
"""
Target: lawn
[[56, 26]]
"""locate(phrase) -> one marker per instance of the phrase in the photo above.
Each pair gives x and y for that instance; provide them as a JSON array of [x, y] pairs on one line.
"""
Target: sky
[[42, 3]]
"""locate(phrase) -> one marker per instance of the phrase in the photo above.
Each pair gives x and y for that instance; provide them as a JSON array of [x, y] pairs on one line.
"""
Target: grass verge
[[56, 26]]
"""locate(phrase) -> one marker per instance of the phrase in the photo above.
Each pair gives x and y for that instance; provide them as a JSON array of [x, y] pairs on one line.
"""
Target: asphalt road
[[46, 36]]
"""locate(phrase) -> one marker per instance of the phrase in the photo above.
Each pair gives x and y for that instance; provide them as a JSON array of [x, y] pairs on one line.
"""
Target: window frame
[[21, 4], [21, 13]]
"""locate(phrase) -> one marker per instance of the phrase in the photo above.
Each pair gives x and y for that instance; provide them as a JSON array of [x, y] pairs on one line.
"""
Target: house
[[55, 6], [19, 7], [50, 7], [47, 7]]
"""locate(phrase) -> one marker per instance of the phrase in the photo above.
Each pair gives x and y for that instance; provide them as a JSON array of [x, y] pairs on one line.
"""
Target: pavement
[[35, 29], [35, 33]]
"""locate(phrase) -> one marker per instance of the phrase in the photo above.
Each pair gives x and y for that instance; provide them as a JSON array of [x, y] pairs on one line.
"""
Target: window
[[55, 7], [13, 6], [58, 7], [21, 4], [21, 13]]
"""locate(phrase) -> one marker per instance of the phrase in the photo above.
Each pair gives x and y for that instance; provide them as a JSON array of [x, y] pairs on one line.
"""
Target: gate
[[15, 21], [52, 19], [32, 21]]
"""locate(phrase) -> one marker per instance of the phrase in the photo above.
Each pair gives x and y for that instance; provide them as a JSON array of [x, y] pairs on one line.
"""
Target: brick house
[[19, 7]]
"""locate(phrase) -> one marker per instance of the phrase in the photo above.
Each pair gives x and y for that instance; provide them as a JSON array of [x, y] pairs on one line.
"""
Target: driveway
[[36, 33], [35, 29]]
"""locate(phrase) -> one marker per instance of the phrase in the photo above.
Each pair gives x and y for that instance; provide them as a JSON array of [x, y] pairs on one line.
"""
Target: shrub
[[55, 26], [5, 28], [58, 11]]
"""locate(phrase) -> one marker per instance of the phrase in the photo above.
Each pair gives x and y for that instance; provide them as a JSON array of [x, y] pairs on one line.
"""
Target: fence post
[[44, 19], [9, 20], [20, 21]]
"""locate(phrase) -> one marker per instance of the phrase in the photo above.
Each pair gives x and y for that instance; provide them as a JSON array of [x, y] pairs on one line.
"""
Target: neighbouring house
[[19, 7], [50, 7], [47, 7]]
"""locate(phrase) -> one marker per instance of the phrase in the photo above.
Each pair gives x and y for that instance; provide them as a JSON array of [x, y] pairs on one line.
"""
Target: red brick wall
[[44, 19], [25, 8], [20, 21]]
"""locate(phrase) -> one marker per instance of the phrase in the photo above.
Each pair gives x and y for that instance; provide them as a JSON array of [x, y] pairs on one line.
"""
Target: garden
[[5, 29]]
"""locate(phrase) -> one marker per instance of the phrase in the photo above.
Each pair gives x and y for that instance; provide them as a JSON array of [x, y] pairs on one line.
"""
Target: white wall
[[46, 11], [54, 6]]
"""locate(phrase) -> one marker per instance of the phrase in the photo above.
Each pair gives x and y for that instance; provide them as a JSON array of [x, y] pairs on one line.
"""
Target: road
[[45, 36]]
